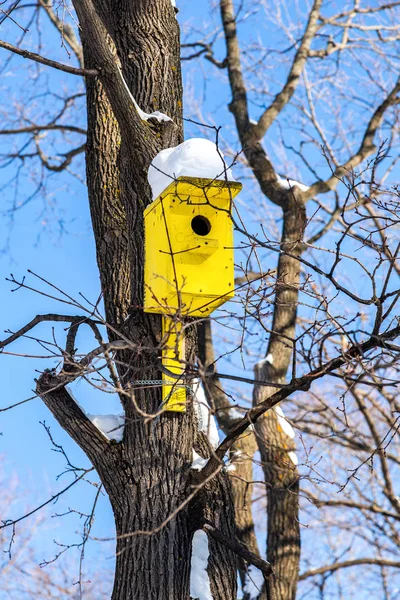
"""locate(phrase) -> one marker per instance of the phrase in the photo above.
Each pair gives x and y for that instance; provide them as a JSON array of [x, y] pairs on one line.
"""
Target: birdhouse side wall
[[189, 255]]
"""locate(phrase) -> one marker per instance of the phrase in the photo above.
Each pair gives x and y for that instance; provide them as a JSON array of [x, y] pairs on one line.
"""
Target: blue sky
[[52, 237]]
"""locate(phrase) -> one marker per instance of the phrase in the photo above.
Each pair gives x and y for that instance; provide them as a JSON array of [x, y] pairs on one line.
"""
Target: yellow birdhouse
[[189, 260]]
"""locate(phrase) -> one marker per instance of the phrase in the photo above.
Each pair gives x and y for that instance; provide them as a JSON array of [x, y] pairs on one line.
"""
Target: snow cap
[[196, 157]]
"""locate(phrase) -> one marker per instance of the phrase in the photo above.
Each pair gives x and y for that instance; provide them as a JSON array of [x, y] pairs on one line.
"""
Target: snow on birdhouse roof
[[196, 157]]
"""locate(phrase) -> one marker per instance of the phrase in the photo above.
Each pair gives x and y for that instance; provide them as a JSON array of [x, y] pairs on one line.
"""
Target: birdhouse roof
[[198, 190]]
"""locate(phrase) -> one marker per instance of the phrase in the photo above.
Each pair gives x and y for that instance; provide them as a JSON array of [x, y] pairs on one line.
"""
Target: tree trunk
[[107, 211], [155, 565], [147, 476], [281, 474], [283, 545]]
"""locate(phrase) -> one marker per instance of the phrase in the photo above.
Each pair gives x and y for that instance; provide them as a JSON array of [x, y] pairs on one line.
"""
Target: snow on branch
[[198, 462], [288, 184], [111, 426], [159, 116]]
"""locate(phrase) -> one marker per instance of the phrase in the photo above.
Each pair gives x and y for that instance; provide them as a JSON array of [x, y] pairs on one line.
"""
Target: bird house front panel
[[189, 264]]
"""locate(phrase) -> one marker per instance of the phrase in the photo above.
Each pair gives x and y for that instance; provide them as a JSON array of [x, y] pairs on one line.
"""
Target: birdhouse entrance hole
[[201, 225]]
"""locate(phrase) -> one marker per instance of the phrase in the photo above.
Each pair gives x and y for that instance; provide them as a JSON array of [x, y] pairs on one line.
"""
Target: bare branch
[[49, 501], [299, 384], [66, 31], [366, 149], [48, 62], [49, 317], [293, 78], [207, 51], [354, 505], [382, 562], [239, 549], [68, 156], [37, 128]]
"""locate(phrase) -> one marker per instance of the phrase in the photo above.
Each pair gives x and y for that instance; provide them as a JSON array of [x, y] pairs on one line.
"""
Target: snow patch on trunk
[[199, 580], [111, 426], [198, 462], [234, 413], [235, 457], [268, 359], [196, 157], [284, 423], [206, 421]]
